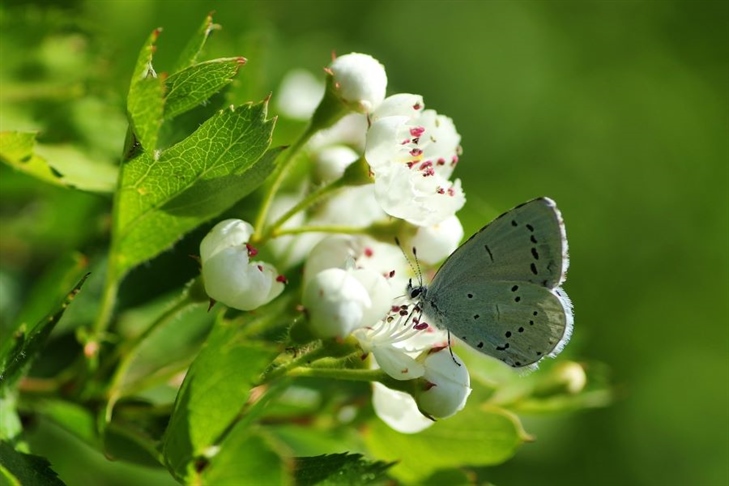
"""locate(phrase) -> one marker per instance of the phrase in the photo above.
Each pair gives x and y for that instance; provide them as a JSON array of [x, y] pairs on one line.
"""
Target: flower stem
[[278, 177], [338, 374], [309, 200]]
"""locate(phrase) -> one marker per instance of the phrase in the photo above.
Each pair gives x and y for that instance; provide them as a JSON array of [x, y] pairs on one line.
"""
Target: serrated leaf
[[145, 101], [163, 196], [192, 50], [60, 165], [473, 437], [26, 347], [336, 469], [192, 86], [215, 390], [246, 458], [17, 468]]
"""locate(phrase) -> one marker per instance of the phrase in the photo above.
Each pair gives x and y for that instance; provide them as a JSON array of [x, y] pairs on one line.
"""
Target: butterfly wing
[[499, 291], [526, 244], [516, 322]]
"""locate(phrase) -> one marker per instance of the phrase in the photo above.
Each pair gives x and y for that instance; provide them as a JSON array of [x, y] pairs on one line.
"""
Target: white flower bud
[[340, 301], [447, 385], [360, 81], [436, 242], [229, 275]]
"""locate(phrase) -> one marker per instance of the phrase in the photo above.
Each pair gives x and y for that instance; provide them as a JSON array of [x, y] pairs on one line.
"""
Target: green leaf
[[214, 392], [167, 348], [246, 458], [335, 469], [10, 426], [192, 50], [60, 165], [163, 196], [17, 468], [473, 437], [145, 101], [192, 86], [74, 418], [16, 361]]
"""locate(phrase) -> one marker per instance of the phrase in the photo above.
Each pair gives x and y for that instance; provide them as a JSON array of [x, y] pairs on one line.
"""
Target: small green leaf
[[61, 165], [26, 347], [19, 469], [473, 437], [192, 50], [335, 469], [192, 86], [163, 196], [145, 101], [214, 392], [246, 458]]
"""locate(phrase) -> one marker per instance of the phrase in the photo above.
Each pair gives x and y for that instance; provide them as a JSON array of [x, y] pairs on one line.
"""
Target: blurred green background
[[619, 110]]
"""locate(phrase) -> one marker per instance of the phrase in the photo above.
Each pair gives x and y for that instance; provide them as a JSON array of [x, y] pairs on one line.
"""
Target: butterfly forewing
[[527, 244]]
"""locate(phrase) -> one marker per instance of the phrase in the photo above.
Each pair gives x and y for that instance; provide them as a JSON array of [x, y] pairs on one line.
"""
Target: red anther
[[260, 267], [429, 385], [417, 131], [368, 252], [451, 192], [421, 326], [392, 273], [440, 190], [282, 279], [441, 161], [416, 152], [251, 250], [417, 106]]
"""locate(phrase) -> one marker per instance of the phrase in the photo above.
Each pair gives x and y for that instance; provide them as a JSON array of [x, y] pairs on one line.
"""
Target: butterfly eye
[[414, 292]]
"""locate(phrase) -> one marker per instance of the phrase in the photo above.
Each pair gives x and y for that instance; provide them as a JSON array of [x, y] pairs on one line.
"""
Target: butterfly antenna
[[416, 271]]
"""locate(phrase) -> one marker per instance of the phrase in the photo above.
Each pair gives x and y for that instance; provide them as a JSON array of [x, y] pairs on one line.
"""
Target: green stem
[[352, 230], [279, 175], [309, 200], [339, 374], [317, 352]]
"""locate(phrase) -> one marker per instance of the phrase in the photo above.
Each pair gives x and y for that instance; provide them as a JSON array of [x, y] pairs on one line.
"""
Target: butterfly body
[[500, 291]]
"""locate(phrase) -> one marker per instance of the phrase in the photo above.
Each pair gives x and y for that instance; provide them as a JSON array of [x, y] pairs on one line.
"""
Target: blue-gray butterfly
[[500, 291]]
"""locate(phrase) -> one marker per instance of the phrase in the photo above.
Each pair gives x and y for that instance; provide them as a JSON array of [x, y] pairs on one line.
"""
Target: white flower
[[436, 242], [412, 155], [229, 275], [447, 385], [397, 340], [350, 130], [359, 80], [299, 94], [339, 301], [398, 410], [362, 252]]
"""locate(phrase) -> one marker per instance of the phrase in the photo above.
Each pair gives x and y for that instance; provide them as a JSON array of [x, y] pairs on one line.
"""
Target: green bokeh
[[619, 110]]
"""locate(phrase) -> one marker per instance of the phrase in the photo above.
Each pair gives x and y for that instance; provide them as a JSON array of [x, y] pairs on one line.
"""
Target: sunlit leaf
[[61, 165], [163, 196], [192, 50], [192, 86], [145, 101]]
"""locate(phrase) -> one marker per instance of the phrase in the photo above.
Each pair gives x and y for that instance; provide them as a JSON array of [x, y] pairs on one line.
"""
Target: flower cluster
[[381, 169]]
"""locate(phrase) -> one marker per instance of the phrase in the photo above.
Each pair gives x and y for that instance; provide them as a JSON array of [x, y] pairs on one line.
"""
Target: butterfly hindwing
[[516, 322]]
